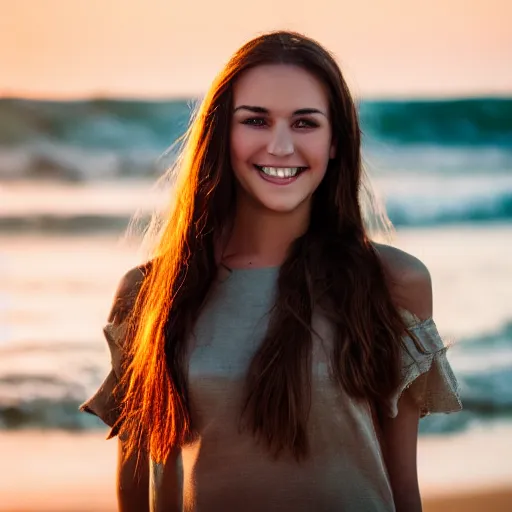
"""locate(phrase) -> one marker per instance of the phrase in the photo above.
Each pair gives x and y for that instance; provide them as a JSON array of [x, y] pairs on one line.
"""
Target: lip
[[276, 180]]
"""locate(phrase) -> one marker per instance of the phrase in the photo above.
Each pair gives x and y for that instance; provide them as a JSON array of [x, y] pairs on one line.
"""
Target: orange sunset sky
[[160, 48]]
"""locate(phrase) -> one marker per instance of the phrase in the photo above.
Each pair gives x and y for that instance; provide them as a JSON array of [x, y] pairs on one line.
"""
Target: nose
[[281, 142]]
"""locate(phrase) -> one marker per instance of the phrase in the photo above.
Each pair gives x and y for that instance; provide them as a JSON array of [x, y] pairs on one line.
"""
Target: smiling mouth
[[280, 172]]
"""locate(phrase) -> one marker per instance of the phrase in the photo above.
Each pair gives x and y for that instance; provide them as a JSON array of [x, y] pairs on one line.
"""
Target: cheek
[[241, 146], [317, 150]]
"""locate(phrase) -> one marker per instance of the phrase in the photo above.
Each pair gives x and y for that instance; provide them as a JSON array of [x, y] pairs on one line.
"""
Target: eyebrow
[[262, 110]]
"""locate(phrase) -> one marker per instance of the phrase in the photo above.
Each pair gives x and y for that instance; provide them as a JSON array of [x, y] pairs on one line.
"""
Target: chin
[[281, 207]]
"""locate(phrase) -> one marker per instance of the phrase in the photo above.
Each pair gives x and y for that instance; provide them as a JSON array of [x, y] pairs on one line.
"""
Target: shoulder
[[126, 293], [409, 279]]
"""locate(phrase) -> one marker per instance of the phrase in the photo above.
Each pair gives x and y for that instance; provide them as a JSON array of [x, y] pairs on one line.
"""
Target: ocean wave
[[484, 371], [485, 397], [74, 224], [412, 206], [450, 122], [121, 123], [93, 124], [44, 400], [46, 414], [417, 211], [64, 415], [104, 139], [47, 162]]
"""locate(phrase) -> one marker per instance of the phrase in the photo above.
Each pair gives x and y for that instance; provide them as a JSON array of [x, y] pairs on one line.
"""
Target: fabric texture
[[224, 469], [105, 402], [428, 376]]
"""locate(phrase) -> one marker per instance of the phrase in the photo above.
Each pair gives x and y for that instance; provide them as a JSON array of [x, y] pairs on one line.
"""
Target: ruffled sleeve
[[105, 402], [427, 376]]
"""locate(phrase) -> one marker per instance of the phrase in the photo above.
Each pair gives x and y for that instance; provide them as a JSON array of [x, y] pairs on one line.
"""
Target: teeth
[[280, 172]]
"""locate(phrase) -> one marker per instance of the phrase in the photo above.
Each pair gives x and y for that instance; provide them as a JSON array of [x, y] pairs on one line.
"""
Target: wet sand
[[63, 472]]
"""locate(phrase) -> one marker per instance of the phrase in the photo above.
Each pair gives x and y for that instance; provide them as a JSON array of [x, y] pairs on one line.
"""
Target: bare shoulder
[[126, 293], [401, 264], [410, 281]]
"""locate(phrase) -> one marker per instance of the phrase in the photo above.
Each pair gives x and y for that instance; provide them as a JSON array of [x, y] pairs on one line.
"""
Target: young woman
[[270, 356]]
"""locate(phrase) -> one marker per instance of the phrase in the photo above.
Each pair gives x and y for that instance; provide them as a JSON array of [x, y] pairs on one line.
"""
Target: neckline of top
[[243, 270]]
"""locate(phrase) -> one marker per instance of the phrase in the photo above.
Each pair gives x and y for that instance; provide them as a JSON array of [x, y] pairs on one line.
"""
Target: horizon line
[[151, 98]]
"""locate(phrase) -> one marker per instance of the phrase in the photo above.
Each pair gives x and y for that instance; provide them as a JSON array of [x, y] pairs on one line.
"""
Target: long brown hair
[[333, 266]]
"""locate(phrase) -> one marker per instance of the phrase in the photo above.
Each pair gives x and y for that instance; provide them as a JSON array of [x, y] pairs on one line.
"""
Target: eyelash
[[251, 122]]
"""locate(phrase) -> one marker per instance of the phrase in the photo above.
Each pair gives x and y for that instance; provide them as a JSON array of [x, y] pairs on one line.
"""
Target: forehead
[[280, 87]]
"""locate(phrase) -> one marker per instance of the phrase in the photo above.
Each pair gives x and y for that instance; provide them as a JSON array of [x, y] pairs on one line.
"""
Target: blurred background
[[93, 94]]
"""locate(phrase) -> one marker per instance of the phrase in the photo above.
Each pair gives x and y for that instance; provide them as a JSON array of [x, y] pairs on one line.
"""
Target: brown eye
[[305, 123], [255, 121]]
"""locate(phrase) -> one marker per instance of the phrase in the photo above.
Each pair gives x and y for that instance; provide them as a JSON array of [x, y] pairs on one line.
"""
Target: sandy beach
[[62, 472]]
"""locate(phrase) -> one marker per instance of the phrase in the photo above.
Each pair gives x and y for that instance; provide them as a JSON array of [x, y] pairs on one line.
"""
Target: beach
[[65, 472], [72, 180]]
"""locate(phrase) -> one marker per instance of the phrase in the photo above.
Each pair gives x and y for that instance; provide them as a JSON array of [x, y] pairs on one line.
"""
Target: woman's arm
[[133, 470], [411, 290], [132, 480], [132, 477], [400, 439]]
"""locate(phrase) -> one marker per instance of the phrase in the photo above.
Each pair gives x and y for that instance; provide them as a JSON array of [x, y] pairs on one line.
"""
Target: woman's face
[[281, 137]]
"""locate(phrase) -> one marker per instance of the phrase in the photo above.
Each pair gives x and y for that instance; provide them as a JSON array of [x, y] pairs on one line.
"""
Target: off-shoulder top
[[224, 469]]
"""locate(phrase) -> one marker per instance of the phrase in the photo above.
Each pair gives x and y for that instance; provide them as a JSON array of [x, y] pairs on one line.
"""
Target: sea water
[[73, 173]]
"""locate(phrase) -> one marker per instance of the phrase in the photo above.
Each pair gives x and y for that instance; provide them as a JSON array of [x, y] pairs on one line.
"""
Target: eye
[[305, 123], [255, 121]]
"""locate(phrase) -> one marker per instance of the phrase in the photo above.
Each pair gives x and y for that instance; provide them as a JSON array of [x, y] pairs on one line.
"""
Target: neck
[[261, 238]]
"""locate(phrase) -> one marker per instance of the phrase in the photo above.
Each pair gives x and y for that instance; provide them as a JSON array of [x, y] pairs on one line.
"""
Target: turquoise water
[[72, 174]]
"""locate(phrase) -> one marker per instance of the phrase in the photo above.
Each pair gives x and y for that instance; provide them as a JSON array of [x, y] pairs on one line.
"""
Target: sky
[[168, 48]]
